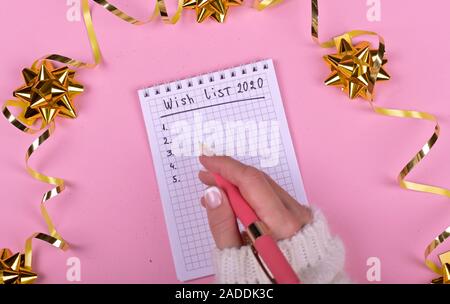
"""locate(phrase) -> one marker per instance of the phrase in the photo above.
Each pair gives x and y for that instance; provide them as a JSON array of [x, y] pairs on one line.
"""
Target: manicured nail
[[213, 197], [206, 151]]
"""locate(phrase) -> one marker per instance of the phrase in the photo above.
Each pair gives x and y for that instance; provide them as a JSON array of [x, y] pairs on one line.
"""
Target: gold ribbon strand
[[160, 10], [263, 4], [95, 48], [356, 70]]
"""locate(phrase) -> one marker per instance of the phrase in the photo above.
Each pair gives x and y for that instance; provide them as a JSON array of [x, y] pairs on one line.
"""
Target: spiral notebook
[[237, 112]]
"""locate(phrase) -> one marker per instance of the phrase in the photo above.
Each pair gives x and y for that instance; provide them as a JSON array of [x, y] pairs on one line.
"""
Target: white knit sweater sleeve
[[314, 254]]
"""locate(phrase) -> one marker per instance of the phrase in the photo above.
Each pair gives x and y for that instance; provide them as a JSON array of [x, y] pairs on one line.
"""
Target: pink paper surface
[[349, 157]]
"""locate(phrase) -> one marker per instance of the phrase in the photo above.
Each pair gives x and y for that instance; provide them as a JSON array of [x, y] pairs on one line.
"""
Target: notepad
[[237, 112]]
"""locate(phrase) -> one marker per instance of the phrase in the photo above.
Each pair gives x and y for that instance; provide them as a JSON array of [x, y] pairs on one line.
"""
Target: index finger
[[251, 182]]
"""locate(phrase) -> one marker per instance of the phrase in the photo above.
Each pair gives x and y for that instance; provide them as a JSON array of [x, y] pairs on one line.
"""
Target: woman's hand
[[282, 214]]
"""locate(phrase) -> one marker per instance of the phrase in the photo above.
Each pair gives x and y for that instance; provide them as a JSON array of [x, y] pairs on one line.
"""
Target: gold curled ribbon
[[263, 4], [216, 9], [356, 69], [95, 48], [160, 10], [46, 94], [93, 42], [17, 268]]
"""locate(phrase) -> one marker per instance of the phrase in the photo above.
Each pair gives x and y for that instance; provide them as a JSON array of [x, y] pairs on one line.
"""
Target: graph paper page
[[237, 112]]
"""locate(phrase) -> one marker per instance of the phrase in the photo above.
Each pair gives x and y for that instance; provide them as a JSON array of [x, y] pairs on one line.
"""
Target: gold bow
[[445, 262], [216, 9], [17, 269], [444, 270], [352, 68], [47, 93], [13, 270]]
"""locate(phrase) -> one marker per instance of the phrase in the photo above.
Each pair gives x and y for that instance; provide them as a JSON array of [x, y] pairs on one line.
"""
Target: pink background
[[349, 157]]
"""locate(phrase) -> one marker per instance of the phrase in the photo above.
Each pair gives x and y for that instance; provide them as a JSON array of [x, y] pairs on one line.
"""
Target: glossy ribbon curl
[[373, 75], [160, 10], [263, 4], [13, 273], [41, 81]]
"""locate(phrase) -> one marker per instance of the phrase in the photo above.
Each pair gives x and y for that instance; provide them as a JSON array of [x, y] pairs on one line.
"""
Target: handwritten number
[[240, 88], [260, 83], [249, 86]]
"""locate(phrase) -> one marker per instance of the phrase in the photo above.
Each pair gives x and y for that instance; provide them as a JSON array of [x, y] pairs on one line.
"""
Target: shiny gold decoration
[[356, 69], [444, 270], [263, 4], [445, 261], [47, 93], [401, 178], [216, 9], [351, 68], [12, 269], [96, 53], [159, 11], [16, 268]]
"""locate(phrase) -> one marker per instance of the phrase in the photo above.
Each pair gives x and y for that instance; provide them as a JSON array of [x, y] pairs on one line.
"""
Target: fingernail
[[206, 151], [213, 197]]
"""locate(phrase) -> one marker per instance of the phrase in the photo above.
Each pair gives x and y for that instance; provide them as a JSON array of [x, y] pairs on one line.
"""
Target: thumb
[[221, 218]]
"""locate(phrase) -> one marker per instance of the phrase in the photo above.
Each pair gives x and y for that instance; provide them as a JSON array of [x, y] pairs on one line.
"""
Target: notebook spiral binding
[[199, 79]]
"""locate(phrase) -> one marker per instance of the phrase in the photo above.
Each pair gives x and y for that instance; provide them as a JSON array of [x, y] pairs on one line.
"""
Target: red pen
[[266, 247]]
